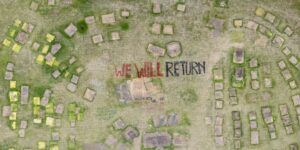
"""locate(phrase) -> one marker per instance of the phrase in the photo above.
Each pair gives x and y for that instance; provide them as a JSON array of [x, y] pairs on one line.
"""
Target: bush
[[82, 26]]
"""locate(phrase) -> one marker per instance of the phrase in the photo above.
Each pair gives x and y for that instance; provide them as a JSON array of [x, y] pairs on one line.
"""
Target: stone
[[71, 30], [289, 129], [219, 104], [293, 60], [55, 48], [89, 19], [72, 87], [237, 124], [10, 66], [255, 85], [218, 74], [55, 136], [239, 73], [253, 63], [130, 133], [208, 120], [156, 8], [74, 79], [59, 109], [125, 13], [266, 96], [296, 100], [252, 25], [232, 92], [233, 100], [235, 115], [237, 143], [252, 115], [219, 86], [51, 2], [254, 137], [23, 124], [89, 94], [219, 121], [283, 108], [293, 146], [72, 60], [115, 36], [173, 119], [35, 46], [173, 49], [286, 74], [97, 39], [254, 74], [56, 74], [288, 31], [293, 84], [157, 140], [267, 68], [253, 124], [181, 7], [286, 120], [34, 6], [298, 110], [268, 83], [168, 30], [278, 41], [156, 28], [111, 140], [108, 18], [286, 51], [237, 133], [238, 56], [119, 124], [179, 140], [270, 17], [156, 50], [6, 111], [281, 65], [160, 120], [219, 140], [21, 37], [219, 95], [238, 23], [24, 94], [218, 130], [21, 133]]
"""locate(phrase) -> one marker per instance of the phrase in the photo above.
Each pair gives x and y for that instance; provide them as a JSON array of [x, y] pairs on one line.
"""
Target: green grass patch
[[82, 26], [189, 95], [124, 26]]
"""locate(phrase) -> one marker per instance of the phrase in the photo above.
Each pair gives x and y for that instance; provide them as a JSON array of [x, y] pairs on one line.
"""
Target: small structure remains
[[115, 36], [156, 51], [237, 125], [125, 13], [269, 121], [130, 133], [218, 131], [171, 119], [238, 56], [119, 124], [89, 94], [286, 118], [157, 140], [168, 29], [108, 18], [174, 49], [139, 89], [156, 8], [89, 19], [254, 134], [71, 30], [270, 17], [97, 39], [252, 25], [156, 28], [180, 7], [278, 41], [24, 94]]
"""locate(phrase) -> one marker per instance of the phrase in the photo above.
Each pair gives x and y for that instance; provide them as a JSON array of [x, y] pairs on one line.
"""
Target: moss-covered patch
[[189, 95]]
